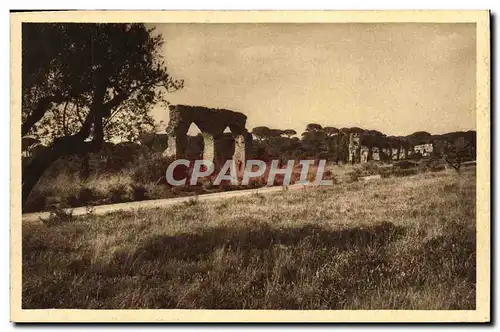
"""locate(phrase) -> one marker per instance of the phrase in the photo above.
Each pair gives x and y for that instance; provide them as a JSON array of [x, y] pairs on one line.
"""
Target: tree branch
[[64, 119], [39, 111], [109, 118], [113, 103], [78, 115]]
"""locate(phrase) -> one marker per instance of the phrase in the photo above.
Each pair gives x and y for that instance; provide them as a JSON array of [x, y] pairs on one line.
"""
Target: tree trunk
[[85, 170], [34, 170]]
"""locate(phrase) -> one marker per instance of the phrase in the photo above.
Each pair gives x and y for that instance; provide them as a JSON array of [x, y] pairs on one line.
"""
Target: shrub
[[157, 191], [405, 172], [86, 195], [140, 192], [121, 193], [152, 170], [328, 175], [405, 164], [37, 201], [431, 165], [385, 172], [206, 182], [370, 168], [354, 175], [257, 182], [119, 156]]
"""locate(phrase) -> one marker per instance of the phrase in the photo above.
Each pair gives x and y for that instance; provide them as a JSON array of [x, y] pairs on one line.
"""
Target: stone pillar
[[364, 154], [403, 153], [209, 147], [395, 154], [176, 135], [354, 148], [239, 155], [376, 153], [171, 150], [177, 144]]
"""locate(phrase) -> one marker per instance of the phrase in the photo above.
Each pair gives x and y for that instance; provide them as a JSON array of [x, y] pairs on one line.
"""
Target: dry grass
[[396, 243], [67, 190]]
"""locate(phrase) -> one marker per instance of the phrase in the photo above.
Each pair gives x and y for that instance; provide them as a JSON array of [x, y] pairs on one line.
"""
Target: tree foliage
[[313, 127], [261, 132], [82, 83], [456, 151], [419, 137], [289, 132], [331, 131], [273, 133], [79, 78]]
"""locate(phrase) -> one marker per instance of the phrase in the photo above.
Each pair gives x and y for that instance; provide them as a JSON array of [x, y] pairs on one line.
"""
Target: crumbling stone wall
[[364, 148], [424, 149], [212, 123]]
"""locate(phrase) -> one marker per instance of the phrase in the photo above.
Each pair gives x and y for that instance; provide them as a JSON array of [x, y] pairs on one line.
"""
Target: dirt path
[[130, 206]]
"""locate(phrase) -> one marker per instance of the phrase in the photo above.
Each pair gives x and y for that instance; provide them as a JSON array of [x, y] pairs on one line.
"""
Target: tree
[[314, 136], [456, 152], [124, 125], [356, 130], [261, 132], [91, 74], [343, 147], [419, 137], [289, 133], [313, 127], [331, 131], [374, 133], [273, 133], [314, 142]]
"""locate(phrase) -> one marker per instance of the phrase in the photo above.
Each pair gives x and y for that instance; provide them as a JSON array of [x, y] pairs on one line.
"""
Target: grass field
[[65, 189], [394, 243]]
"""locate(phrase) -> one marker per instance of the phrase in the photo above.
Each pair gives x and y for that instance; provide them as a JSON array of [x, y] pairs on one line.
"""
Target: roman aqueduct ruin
[[212, 124]]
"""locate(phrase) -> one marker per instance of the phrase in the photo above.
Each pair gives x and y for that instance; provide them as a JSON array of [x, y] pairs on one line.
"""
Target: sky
[[397, 78]]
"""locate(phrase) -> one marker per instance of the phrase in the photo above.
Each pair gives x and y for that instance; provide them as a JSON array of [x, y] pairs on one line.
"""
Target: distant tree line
[[318, 142]]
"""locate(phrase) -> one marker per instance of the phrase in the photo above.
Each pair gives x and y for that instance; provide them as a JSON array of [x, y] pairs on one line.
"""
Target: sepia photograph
[[250, 166]]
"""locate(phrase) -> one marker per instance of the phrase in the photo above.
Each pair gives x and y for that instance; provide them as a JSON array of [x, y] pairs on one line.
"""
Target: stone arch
[[213, 124], [193, 129], [195, 142]]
